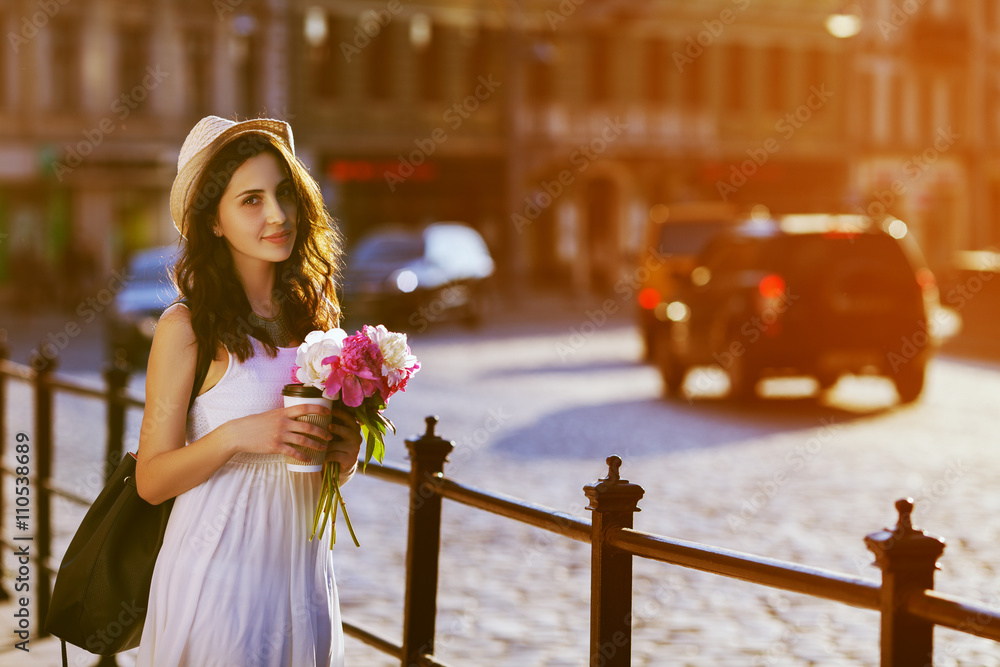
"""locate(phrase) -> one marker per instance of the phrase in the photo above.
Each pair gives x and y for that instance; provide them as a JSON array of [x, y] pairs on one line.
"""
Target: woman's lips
[[278, 238]]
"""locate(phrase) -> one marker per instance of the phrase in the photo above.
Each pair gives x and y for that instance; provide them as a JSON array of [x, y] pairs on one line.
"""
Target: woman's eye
[[287, 193], [250, 200]]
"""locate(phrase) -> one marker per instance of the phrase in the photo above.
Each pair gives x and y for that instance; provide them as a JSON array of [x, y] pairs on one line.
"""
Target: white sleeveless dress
[[237, 582]]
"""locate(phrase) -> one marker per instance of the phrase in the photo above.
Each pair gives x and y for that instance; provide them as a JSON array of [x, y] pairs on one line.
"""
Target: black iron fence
[[908, 607]]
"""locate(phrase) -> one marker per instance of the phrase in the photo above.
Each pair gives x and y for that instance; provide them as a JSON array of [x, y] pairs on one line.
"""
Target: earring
[[218, 232]]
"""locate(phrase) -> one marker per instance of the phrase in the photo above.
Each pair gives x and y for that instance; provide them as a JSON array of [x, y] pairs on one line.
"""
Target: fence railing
[[45, 382], [908, 607]]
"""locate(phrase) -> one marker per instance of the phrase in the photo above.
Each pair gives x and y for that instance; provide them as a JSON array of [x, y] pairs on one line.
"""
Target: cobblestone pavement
[[534, 410]]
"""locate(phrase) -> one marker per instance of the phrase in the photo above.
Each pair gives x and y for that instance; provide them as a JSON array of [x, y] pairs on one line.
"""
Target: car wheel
[[472, 318], [671, 370], [648, 344], [826, 380], [743, 377], [909, 381]]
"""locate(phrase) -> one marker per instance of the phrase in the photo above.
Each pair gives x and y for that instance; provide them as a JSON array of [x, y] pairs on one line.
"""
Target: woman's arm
[[165, 466]]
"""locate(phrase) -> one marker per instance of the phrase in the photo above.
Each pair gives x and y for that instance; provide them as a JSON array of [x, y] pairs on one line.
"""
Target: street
[[535, 403]]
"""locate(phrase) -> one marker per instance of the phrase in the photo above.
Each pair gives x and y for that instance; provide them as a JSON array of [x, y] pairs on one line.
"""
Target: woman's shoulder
[[177, 312], [174, 326]]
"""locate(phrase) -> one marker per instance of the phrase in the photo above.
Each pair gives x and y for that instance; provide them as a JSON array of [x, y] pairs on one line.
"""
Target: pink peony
[[356, 371]]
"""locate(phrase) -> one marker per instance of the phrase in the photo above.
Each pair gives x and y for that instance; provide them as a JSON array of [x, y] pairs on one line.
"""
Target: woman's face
[[257, 211]]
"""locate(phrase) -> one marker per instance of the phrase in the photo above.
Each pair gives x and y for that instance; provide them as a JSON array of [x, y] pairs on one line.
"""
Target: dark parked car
[[135, 311], [765, 301], [410, 278]]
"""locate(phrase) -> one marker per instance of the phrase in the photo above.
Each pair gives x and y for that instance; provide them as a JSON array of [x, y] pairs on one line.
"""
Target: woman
[[237, 581]]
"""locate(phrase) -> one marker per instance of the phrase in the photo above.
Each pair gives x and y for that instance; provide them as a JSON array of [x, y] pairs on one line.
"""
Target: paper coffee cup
[[297, 394]]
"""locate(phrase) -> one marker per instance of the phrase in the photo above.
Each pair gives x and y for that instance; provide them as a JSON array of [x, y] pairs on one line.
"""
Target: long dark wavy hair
[[305, 283]]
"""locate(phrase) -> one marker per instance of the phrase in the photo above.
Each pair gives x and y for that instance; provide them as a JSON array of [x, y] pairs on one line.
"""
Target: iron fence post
[[116, 375], [43, 443], [4, 354], [907, 557], [428, 454], [614, 502]]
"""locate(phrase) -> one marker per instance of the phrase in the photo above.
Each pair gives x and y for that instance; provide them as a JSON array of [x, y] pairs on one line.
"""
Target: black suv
[[767, 301]]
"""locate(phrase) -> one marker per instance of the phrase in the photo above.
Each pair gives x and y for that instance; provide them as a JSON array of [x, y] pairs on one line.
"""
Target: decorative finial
[[614, 468], [120, 362], [43, 363], [612, 493], [905, 508], [431, 422]]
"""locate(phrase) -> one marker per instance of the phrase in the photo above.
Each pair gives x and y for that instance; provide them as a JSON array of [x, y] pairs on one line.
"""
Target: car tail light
[[928, 289], [840, 234], [772, 290], [649, 298], [772, 286], [926, 280]]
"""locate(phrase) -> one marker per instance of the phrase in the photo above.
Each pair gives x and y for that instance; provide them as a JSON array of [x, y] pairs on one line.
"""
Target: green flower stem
[[327, 505], [319, 509], [330, 500], [333, 520], [373, 427], [343, 506]]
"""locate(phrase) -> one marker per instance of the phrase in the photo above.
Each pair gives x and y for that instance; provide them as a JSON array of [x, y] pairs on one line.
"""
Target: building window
[[816, 72], [430, 61], [925, 107], [599, 56], [655, 89], [957, 105], [540, 77], [897, 107], [249, 73], [775, 78], [326, 63], [198, 58], [479, 62], [133, 59], [693, 83], [816, 75], [65, 65], [378, 70], [736, 81], [863, 112]]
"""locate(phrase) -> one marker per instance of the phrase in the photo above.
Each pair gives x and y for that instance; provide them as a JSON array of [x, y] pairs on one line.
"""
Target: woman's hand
[[345, 449], [274, 431]]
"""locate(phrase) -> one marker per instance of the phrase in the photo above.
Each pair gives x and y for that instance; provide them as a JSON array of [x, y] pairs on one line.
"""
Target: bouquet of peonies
[[362, 370]]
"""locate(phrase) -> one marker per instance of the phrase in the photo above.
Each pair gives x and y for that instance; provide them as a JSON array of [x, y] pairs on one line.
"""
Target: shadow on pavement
[[587, 367], [654, 426]]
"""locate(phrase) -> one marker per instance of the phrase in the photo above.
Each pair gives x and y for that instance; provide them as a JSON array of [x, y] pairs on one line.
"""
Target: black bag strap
[[65, 662], [202, 362], [200, 372]]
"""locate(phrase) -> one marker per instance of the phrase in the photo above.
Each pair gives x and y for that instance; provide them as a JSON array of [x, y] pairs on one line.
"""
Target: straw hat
[[202, 142]]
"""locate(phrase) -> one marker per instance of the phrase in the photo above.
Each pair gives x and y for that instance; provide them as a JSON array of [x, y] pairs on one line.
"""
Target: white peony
[[396, 356], [309, 358]]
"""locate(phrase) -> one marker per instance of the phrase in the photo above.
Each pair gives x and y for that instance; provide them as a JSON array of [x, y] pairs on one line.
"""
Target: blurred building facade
[[927, 127], [98, 96], [554, 128]]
